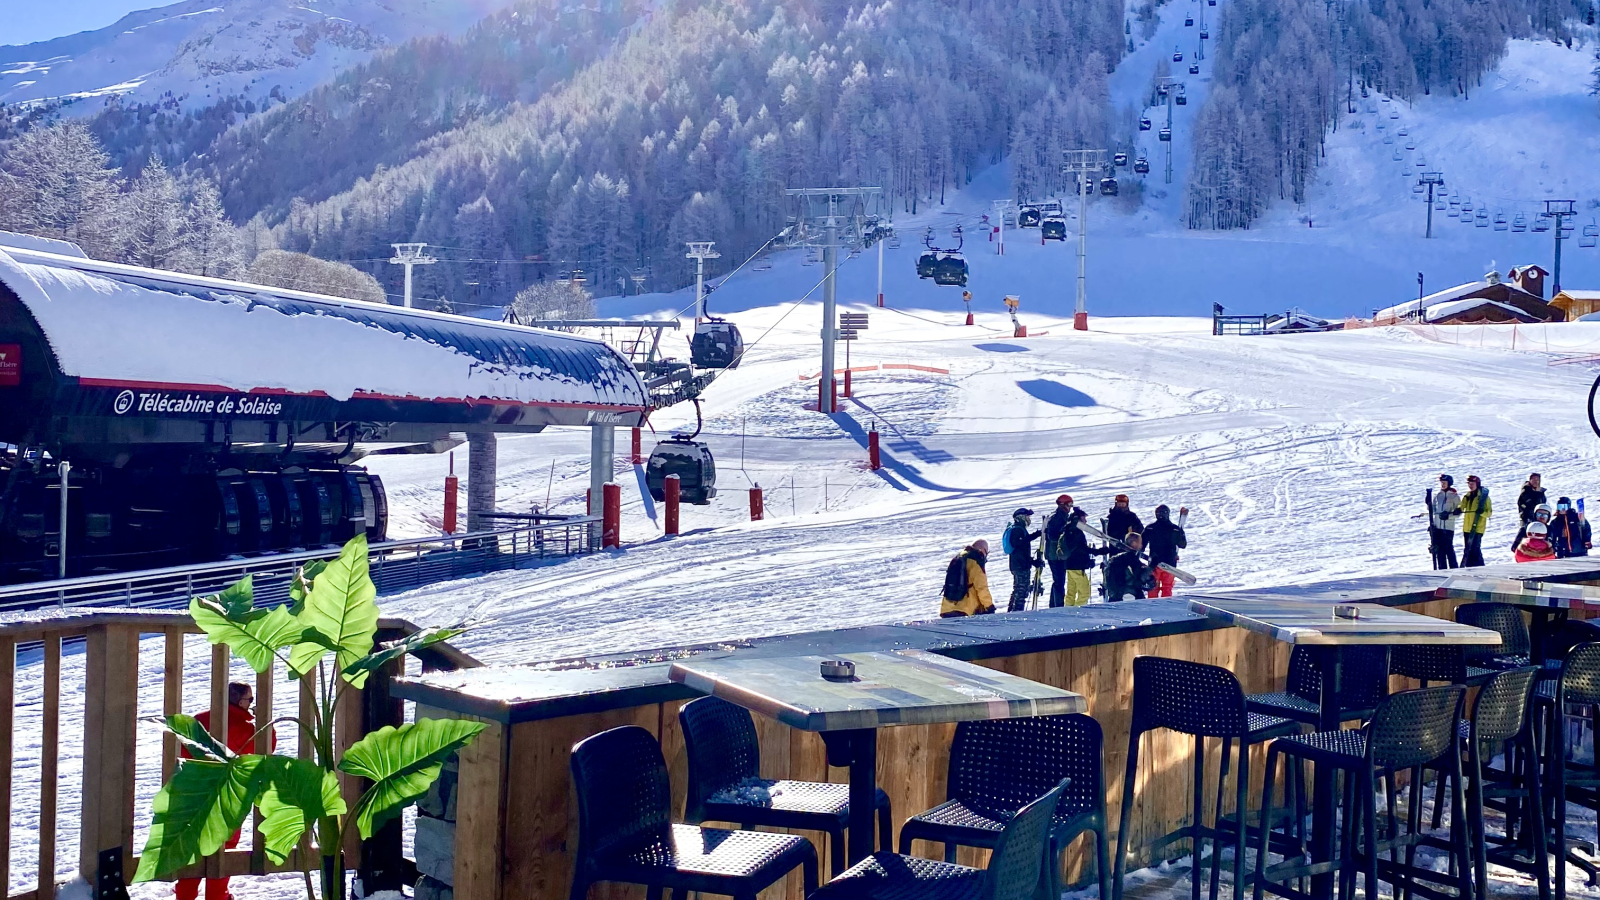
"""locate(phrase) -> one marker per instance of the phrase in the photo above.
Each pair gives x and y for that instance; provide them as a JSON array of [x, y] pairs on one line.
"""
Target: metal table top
[[1522, 592], [899, 687], [1298, 622]]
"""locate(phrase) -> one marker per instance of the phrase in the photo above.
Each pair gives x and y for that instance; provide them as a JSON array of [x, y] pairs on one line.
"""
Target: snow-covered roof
[[1455, 307], [1412, 307], [110, 324], [1580, 295]]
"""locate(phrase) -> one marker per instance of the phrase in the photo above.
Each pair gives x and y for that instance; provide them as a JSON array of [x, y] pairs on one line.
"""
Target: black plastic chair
[[625, 833], [725, 783], [1364, 684], [1442, 663], [1569, 782], [999, 766], [1516, 648], [1560, 641], [1408, 730], [1013, 873], [1204, 701]]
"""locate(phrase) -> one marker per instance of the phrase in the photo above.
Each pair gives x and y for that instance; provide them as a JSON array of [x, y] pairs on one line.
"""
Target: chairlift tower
[[831, 218], [700, 251], [1432, 180], [1166, 89], [1082, 164], [1558, 210], [409, 255]]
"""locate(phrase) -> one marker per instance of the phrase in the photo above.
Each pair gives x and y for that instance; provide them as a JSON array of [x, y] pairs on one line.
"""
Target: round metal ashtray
[[838, 669], [1347, 612]]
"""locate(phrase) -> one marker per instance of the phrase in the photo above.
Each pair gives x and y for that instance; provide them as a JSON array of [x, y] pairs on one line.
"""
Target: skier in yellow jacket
[[1474, 509], [974, 599]]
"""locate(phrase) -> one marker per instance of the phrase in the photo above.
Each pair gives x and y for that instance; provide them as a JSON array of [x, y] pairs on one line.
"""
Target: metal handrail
[[395, 565]]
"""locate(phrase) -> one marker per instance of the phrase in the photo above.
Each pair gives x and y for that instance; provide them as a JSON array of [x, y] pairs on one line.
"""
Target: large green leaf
[[297, 793], [197, 811], [238, 600], [357, 671], [342, 607], [402, 764], [301, 585], [200, 743], [256, 636]]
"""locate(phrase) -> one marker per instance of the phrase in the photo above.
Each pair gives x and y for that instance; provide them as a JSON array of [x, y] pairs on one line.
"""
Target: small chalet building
[[1492, 300], [1577, 304]]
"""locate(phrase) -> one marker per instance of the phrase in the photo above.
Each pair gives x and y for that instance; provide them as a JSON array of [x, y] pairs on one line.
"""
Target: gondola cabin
[[1141, 166], [927, 264], [716, 345], [1144, 123], [1188, 21], [691, 461], [1120, 159], [1194, 68], [1177, 56], [1028, 217], [951, 271], [1166, 133], [1053, 229], [1108, 187]]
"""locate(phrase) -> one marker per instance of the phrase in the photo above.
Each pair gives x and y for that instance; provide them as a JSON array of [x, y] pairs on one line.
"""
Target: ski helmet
[[1449, 482], [1022, 513], [1064, 500], [1537, 529], [1120, 498], [1546, 509], [1163, 511]]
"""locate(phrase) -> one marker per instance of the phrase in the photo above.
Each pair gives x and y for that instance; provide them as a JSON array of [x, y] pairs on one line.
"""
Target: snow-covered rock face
[[210, 49]]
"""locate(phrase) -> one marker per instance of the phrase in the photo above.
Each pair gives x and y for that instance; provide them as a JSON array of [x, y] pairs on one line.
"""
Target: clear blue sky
[[26, 21]]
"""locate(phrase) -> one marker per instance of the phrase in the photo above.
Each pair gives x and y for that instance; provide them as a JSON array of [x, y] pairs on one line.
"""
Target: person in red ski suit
[[1535, 545], [241, 739]]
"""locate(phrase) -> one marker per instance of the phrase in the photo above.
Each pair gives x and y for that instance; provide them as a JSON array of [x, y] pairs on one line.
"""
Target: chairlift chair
[[1120, 159], [1144, 123], [1482, 219], [1028, 217], [951, 270], [1591, 235], [691, 461], [1194, 68], [1188, 21], [1166, 133], [1411, 145], [1394, 113], [1520, 223], [1501, 223], [1404, 132], [1388, 139], [1416, 188], [1141, 166], [1205, 34], [1053, 229], [1541, 224], [1438, 206], [1108, 186], [1566, 230], [717, 344]]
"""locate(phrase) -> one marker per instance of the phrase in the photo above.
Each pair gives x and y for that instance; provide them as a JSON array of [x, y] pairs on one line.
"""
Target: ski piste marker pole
[[1176, 572]]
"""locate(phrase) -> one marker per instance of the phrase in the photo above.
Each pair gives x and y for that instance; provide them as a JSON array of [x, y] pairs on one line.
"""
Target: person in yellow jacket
[[1474, 510], [975, 600]]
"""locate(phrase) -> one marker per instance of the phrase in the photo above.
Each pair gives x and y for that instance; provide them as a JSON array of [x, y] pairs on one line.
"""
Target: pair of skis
[[1174, 571]]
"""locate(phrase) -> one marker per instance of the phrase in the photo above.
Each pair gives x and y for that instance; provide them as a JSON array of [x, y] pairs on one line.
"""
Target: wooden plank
[[111, 712], [264, 744], [171, 698], [8, 697], [49, 765], [308, 706], [220, 659], [346, 731], [481, 815]]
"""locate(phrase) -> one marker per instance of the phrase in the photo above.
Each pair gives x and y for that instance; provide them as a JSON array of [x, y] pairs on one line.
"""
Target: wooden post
[[263, 745], [347, 721], [49, 765], [110, 724], [8, 677], [481, 814], [383, 863], [171, 699]]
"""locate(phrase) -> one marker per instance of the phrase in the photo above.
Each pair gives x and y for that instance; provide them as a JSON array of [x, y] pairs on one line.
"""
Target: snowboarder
[[966, 587], [1122, 521], [1445, 507], [1165, 538], [1474, 508], [241, 739], [1055, 550], [1535, 546], [1018, 545], [1569, 532], [1527, 502], [1127, 573]]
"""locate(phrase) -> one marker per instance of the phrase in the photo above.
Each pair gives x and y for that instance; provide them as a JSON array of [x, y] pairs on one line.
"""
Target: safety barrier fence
[[396, 566], [93, 696]]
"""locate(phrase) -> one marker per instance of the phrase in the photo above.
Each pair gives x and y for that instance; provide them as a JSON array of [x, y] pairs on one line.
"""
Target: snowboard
[[1174, 571]]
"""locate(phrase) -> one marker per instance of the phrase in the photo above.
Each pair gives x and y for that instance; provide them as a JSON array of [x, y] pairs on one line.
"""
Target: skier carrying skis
[[966, 587], [1474, 509], [1535, 546], [1121, 521], [1164, 539], [1444, 508], [1127, 573], [1018, 544], [1569, 531]]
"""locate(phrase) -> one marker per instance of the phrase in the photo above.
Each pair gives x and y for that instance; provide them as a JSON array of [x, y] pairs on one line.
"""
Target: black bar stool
[[625, 832], [1516, 648], [1364, 684], [725, 783], [1204, 701], [1408, 730], [1568, 781], [1444, 663], [999, 766]]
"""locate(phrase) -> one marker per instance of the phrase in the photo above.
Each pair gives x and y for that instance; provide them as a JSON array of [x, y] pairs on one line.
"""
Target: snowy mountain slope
[[1301, 458], [210, 49]]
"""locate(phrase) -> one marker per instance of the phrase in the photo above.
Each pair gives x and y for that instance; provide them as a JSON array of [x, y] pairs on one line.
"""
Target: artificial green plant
[[333, 614]]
